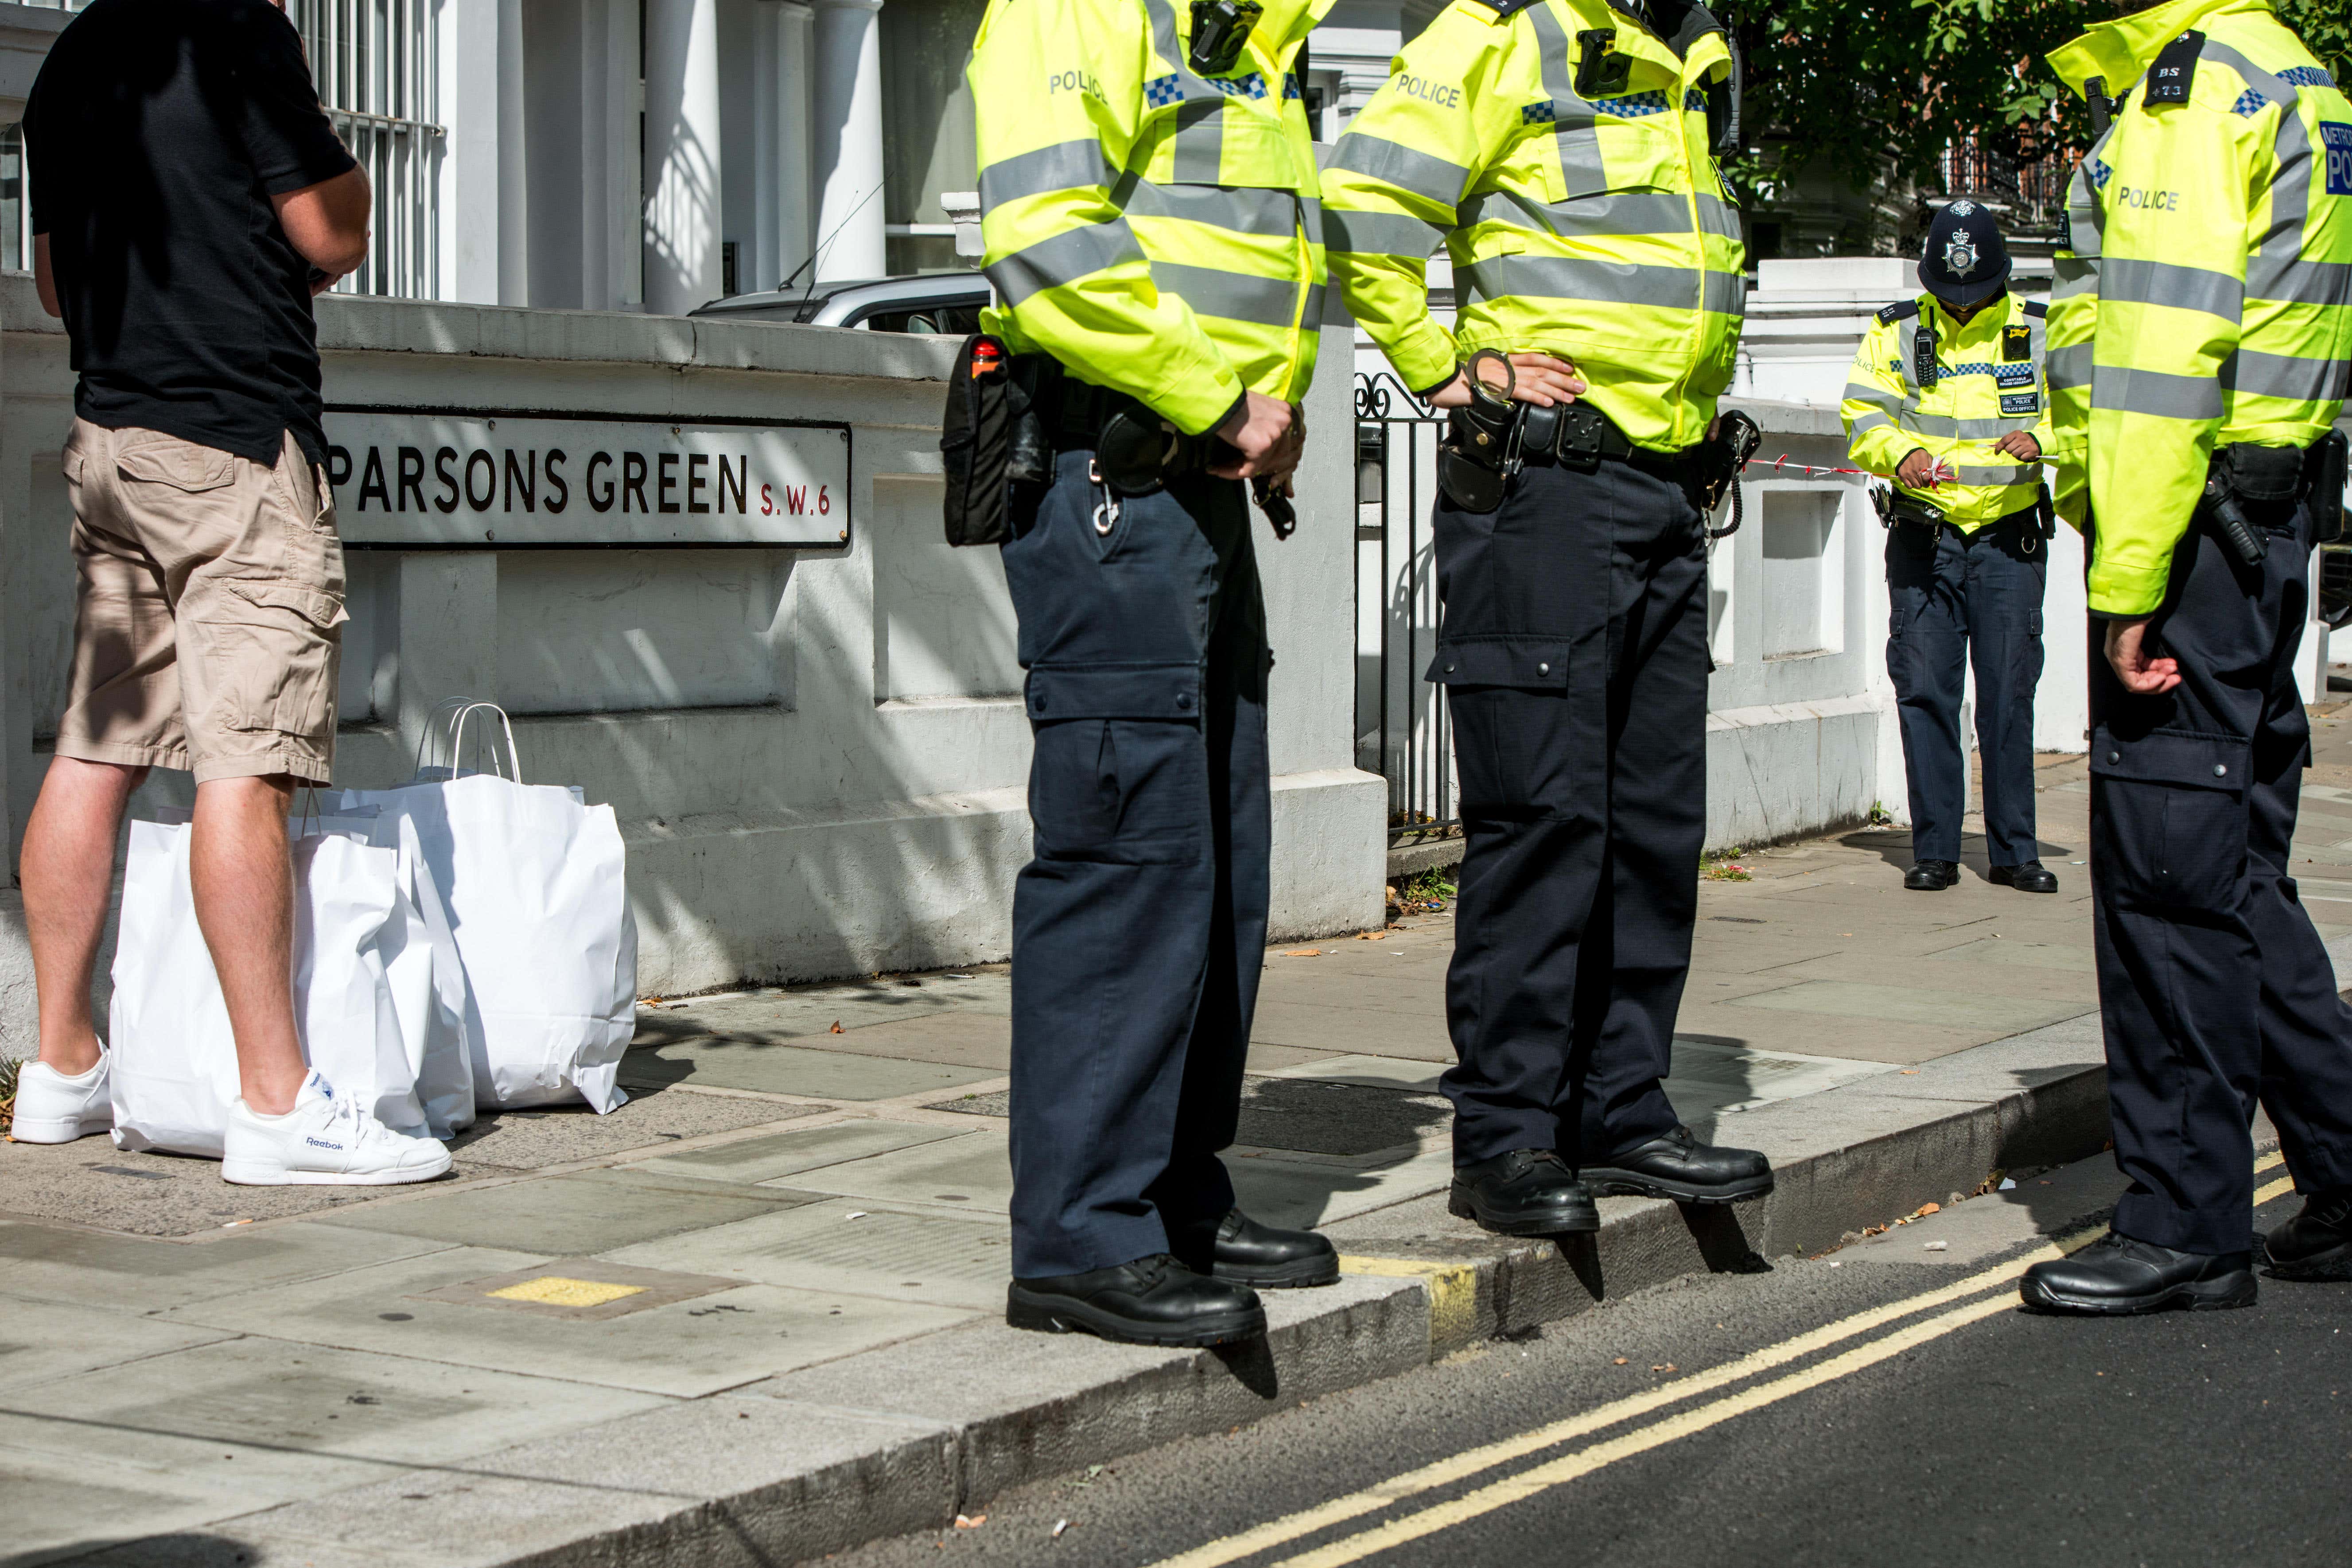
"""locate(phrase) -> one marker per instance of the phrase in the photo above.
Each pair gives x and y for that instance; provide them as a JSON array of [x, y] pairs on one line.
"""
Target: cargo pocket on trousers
[[167, 460], [2169, 820], [1119, 774], [272, 652]]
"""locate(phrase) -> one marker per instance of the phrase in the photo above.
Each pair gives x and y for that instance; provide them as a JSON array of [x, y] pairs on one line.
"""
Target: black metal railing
[[1400, 724]]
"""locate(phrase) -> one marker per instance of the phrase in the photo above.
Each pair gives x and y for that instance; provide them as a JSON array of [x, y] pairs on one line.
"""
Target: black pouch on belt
[[2324, 479], [1471, 460], [993, 442]]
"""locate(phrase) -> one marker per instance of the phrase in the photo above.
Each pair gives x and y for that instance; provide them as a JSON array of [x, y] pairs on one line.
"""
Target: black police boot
[[2315, 1244], [1153, 1301], [2118, 1276], [1528, 1192], [1258, 1255], [1677, 1165], [2026, 877], [1931, 876]]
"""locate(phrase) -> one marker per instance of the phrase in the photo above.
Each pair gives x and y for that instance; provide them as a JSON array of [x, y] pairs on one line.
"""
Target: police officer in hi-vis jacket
[[1146, 184], [2200, 333], [1560, 151]]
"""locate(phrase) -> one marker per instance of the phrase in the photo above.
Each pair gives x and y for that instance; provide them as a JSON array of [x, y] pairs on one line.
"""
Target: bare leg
[[68, 874], [243, 885]]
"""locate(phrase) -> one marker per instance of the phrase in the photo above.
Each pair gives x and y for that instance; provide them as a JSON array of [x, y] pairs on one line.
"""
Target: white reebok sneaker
[[53, 1108], [323, 1141]]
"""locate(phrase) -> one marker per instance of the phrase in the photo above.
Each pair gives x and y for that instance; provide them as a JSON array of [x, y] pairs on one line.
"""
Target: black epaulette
[[2037, 308], [1504, 9], [2175, 71], [1901, 311]]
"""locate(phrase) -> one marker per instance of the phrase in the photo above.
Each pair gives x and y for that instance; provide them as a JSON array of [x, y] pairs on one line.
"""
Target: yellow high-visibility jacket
[[1155, 231], [1988, 383], [1588, 223], [2205, 295]]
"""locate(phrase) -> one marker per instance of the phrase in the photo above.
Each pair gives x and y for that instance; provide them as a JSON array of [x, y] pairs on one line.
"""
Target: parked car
[[947, 303]]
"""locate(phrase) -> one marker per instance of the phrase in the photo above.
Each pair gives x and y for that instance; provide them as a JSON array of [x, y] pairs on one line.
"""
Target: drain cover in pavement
[[580, 1288]]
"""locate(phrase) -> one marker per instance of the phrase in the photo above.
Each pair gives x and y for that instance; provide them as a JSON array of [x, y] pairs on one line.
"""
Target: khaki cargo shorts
[[208, 609]]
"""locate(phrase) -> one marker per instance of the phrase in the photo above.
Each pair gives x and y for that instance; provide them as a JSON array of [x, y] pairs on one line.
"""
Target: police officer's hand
[[1540, 379], [1919, 471], [2020, 445], [1269, 433], [2136, 664]]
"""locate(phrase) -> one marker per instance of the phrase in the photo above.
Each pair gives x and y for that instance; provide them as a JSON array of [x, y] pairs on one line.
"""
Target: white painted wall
[[818, 756]]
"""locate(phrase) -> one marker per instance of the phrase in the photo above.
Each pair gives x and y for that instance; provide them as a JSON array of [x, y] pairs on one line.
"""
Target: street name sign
[[442, 478]]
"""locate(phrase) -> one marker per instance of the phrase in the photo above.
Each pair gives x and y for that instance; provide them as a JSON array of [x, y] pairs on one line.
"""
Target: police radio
[[1220, 28]]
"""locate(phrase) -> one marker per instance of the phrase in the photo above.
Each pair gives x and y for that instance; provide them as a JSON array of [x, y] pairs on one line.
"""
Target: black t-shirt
[[157, 131]]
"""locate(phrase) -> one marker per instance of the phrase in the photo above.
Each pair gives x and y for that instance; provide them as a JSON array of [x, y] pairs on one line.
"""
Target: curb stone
[[904, 1437]]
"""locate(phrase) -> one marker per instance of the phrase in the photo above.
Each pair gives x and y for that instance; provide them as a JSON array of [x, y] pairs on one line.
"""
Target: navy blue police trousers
[[1573, 654], [1139, 928], [1954, 600], [2215, 989]]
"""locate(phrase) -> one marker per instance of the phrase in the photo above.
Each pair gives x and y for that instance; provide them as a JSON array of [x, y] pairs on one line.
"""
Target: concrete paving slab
[[1855, 999], [779, 1154], [2050, 1203], [731, 1481], [1309, 1115], [128, 1274], [769, 1069], [587, 1213], [2074, 958], [960, 1037], [788, 1012], [1369, 1071], [44, 1341], [258, 1422], [1314, 1025], [560, 1135], [686, 1348], [971, 1173], [904, 1254], [1296, 1191], [91, 1183]]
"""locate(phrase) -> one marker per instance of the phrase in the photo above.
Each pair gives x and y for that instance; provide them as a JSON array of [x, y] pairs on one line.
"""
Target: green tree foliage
[[1858, 86]]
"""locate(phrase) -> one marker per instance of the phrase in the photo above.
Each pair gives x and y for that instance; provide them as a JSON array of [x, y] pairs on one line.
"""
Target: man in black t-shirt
[[189, 197]]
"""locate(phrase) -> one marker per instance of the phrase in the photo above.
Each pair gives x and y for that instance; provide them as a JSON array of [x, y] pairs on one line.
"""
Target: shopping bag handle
[[457, 739], [452, 734]]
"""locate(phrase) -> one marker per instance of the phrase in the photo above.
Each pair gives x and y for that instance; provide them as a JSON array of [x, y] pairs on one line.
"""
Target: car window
[[950, 320]]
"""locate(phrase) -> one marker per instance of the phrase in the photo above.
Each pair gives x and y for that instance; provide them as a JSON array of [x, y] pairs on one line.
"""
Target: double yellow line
[[1458, 1468]]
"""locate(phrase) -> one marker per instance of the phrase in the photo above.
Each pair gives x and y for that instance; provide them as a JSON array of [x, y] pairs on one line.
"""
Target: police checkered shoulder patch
[[2306, 76], [2250, 103], [1162, 91], [1536, 113]]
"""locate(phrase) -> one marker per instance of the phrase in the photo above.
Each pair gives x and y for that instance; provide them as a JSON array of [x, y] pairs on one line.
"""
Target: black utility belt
[[1578, 435], [1490, 439], [2033, 523], [2269, 477]]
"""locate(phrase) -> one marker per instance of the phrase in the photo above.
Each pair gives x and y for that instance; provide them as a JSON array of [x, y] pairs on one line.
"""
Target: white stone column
[[682, 162], [795, 216], [845, 81]]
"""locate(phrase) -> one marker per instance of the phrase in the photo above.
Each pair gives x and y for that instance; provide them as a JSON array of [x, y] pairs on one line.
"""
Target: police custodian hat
[[1965, 260]]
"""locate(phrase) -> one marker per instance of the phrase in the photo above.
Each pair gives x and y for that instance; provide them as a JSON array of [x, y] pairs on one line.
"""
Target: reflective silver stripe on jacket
[[1950, 426], [1242, 209], [2073, 275], [2027, 474], [1573, 119], [1064, 166], [2285, 376], [2131, 281], [1602, 215], [2115, 389], [2067, 368], [1876, 396], [1602, 282], [1379, 234], [1065, 258], [1200, 118], [2308, 283], [1407, 168], [1235, 295]]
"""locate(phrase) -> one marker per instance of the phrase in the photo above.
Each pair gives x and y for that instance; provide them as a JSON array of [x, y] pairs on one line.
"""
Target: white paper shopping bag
[[537, 890]]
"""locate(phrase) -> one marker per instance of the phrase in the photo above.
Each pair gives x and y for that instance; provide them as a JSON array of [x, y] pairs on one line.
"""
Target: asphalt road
[[1888, 1404]]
